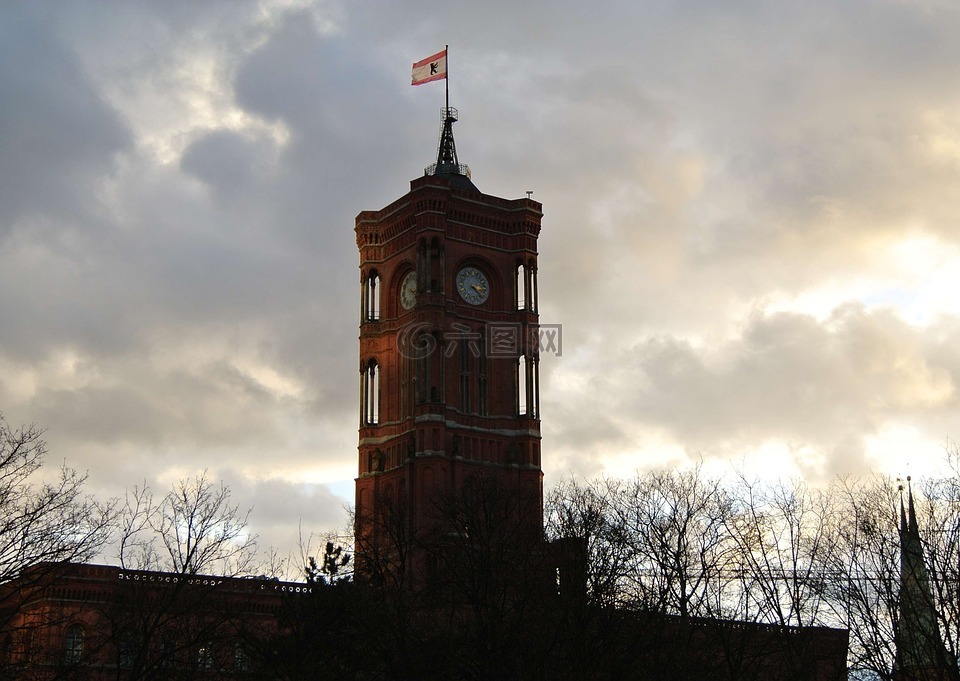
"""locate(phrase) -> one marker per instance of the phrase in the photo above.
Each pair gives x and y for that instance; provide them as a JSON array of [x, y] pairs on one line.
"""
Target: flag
[[430, 69]]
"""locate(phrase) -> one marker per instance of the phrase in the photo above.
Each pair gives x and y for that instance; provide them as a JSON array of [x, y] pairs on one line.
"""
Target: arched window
[[534, 407], [370, 303], [526, 286], [370, 394], [73, 648], [533, 287], [521, 284], [528, 386], [521, 384]]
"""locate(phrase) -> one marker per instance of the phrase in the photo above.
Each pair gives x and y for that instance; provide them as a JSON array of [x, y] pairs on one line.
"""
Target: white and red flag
[[430, 69]]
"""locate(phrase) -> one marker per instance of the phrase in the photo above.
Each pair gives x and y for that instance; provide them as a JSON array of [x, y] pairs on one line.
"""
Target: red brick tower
[[449, 362]]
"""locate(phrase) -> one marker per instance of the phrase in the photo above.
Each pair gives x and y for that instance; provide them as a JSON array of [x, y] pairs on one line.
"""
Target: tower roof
[[448, 165]]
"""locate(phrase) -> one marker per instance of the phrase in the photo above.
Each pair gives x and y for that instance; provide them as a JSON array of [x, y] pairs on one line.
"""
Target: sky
[[751, 231]]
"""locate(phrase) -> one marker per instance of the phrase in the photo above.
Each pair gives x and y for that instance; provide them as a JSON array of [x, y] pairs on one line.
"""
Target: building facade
[[98, 622]]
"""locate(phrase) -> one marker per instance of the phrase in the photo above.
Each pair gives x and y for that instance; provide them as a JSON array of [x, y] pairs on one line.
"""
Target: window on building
[[521, 283], [241, 660], [521, 384], [205, 656], [371, 297], [370, 391], [482, 376], [465, 352], [73, 649], [126, 651], [406, 386], [436, 265], [534, 371], [168, 650], [24, 644], [534, 292]]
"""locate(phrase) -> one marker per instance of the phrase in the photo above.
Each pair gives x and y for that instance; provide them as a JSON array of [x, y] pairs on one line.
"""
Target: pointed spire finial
[[920, 653], [447, 161]]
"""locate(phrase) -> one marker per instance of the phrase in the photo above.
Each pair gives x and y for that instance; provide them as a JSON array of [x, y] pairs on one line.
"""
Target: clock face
[[408, 291], [473, 285]]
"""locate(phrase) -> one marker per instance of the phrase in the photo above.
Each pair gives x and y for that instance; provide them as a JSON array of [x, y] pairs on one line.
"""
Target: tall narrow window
[[437, 369], [465, 377], [370, 306], [535, 387], [421, 387], [436, 266], [405, 386], [521, 284], [482, 375], [423, 267], [364, 398], [241, 659], [534, 292], [168, 650], [371, 394], [73, 649], [521, 384]]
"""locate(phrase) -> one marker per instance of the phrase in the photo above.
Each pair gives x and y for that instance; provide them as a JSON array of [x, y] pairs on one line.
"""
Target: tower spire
[[448, 165], [920, 654], [447, 162]]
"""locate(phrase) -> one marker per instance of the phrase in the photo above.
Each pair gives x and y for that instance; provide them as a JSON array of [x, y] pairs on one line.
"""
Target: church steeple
[[920, 655]]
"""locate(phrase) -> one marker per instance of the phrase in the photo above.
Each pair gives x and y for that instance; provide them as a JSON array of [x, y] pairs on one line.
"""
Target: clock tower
[[449, 361]]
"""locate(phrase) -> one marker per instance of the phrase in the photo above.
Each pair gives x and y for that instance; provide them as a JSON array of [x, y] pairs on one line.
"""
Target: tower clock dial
[[408, 291], [473, 286]]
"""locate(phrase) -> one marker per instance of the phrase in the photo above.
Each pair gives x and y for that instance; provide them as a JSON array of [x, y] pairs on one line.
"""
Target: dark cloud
[[58, 136], [228, 162]]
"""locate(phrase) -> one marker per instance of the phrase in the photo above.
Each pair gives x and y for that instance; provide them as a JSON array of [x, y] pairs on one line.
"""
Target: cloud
[[828, 386], [749, 226], [58, 134]]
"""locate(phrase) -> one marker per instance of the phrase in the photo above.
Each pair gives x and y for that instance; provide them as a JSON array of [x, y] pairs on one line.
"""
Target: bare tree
[[863, 584], [786, 538], [590, 512], [170, 616], [43, 518], [46, 519], [940, 511], [677, 522], [682, 543], [193, 529]]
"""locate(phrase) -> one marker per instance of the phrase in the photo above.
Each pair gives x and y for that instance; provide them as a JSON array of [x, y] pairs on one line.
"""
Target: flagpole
[[446, 48]]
